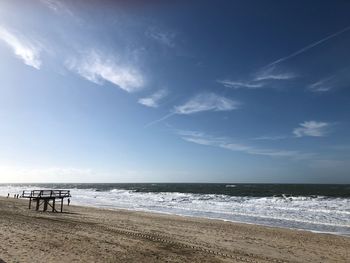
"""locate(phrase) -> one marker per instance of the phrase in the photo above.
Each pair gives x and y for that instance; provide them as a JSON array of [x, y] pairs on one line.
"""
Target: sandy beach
[[85, 234]]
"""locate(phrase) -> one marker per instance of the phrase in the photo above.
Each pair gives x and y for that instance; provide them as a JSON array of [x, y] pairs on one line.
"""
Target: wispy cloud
[[271, 73], [23, 48], [153, 100], [271, 138], [96, 68], [330, 164], [57, 6], [206, 102], [339, 79], [228, 144], [50, 174], [342, 147], [312, 128], [308, 47], [322, 85], [262, 79], [200, 103], [240, 84], [166, 38]]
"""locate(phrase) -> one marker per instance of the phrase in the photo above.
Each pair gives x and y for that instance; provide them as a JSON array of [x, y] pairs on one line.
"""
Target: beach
[[86, 234]]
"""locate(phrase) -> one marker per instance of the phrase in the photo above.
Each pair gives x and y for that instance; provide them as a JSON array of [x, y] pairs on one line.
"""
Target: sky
[[175, 91]]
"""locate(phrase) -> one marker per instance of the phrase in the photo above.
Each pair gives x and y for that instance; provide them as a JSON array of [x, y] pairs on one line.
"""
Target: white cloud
[[153, 100], [271, 74], [22, 47], [163, 37], [200, 103], [259, 80], [312, 128], [342, 147], [271, 138], [239, 84], [190, 133], [206, 102], [329, 163], [226, 143], [45, 174], [339, 79], [58, 6], [97, 69], [322, 85], [55, 5]]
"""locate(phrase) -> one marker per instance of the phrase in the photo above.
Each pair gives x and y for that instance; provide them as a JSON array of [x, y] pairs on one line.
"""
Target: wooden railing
[[46, 194], [47, 198]]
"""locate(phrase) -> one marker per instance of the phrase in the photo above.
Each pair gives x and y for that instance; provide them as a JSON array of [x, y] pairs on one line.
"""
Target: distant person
[[68, 201], [8, 195]]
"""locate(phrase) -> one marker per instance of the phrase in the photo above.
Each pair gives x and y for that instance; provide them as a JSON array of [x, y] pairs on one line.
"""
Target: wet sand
[[85, 234]]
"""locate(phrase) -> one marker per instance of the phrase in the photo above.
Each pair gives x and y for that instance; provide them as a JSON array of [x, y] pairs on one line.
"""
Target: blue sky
[[236, 91]]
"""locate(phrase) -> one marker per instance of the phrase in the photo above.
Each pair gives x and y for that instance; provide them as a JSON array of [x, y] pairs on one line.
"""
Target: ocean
[[317, 208]]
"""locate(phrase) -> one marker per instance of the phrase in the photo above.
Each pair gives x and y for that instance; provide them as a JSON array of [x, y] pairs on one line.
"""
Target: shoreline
[[212, 218], [85, 234], [317, 214]]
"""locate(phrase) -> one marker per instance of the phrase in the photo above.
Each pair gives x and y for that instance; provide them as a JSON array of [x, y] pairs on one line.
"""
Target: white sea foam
[[319, 214]]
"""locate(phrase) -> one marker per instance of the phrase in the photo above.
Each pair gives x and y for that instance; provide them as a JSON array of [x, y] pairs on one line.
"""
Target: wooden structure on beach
[[46, 198]]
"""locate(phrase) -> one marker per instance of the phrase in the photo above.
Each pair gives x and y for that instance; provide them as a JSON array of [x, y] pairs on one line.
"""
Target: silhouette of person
[[68, 201], [8, 195]]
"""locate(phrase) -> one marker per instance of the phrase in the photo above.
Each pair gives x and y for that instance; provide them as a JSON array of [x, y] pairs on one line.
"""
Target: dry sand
[[96, 235]]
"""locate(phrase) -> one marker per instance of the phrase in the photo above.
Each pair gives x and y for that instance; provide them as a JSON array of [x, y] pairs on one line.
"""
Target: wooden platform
[[46, 198]]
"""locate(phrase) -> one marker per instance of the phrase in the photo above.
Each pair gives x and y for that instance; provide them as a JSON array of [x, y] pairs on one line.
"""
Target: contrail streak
[[159, 120], [304, 49]]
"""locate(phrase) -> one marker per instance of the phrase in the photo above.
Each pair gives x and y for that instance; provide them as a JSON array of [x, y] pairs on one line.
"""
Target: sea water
[[319, 208]]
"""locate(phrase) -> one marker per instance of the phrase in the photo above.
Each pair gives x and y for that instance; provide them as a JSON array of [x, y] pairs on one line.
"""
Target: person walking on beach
[[68, 201]]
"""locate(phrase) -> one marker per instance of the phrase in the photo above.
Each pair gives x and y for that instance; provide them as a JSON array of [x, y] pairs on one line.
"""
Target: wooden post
[[45, 197], [45, 204]]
